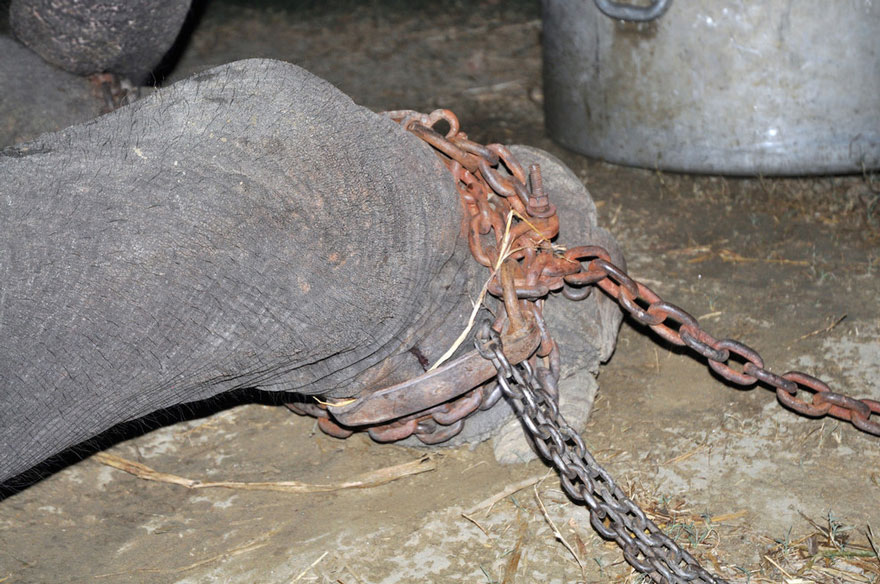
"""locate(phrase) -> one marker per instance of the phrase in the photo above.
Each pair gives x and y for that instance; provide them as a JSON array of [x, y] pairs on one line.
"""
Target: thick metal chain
[[493, 185], [646, 307], [614, 515], [505, 208], [542, 268], [527, 275]]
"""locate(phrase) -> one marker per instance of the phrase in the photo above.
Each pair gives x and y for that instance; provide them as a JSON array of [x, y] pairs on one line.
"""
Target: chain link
[[646, 307], [612, 514], [502, 204], [492, 184]]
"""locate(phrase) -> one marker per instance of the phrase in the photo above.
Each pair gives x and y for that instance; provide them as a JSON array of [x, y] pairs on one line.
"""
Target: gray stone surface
[[95, 36], [36, 97]]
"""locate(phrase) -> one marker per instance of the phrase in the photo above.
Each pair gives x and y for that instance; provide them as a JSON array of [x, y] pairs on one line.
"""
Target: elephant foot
[[584, 331], [85, 36]]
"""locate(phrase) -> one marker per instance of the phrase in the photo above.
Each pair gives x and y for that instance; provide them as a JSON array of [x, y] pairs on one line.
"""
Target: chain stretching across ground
[[492, 185], [511, 225], [526, 267]]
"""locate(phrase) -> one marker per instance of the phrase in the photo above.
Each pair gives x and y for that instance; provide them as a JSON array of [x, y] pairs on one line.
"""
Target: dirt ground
[[759, 494]]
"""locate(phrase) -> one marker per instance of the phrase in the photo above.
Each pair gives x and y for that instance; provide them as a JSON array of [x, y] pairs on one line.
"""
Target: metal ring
[[769, 378], [800, 406], [577, 294], [437, 434], [617, 276], [735, 347], [637, 312], [674, 313], [867, 425], [703, 344], [842, 406]]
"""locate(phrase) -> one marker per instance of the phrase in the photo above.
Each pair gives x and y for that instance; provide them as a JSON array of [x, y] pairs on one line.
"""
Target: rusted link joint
[[495, 191], [433, 405]]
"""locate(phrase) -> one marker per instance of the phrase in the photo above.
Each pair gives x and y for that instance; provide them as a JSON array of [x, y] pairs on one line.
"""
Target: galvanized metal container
[[775, 87]]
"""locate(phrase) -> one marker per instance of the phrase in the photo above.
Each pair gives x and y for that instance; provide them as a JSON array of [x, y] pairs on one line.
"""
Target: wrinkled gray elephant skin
[[94, 36], [248, 227]]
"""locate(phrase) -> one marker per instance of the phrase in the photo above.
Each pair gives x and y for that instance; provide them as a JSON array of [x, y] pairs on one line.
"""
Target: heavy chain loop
[[543, 268], [492, 184], [502, 204]]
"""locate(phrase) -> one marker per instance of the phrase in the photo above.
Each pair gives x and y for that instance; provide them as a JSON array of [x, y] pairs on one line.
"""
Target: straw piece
[[363, 481]]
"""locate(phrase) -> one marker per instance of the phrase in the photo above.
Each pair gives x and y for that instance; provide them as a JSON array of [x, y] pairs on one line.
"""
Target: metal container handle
[[621, 11]]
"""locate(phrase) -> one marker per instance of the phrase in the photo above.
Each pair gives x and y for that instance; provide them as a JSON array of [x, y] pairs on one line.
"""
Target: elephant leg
[[248, 227]]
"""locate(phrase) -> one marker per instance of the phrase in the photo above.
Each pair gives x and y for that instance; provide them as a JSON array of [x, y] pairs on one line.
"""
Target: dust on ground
[[788, 266]]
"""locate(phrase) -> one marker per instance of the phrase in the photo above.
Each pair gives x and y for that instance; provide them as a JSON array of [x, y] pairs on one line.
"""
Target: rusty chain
[[511, 224], [542, 268], [646, 307], [492, 184]]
